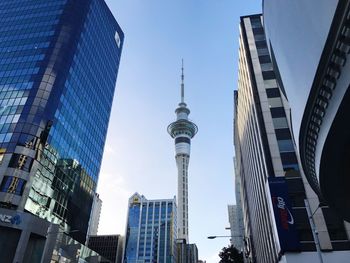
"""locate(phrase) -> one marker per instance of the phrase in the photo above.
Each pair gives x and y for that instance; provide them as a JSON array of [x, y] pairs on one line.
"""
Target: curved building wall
[[310, 44], [297, 35]]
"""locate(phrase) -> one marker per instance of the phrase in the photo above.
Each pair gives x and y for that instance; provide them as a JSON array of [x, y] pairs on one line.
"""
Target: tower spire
[[182, 83]]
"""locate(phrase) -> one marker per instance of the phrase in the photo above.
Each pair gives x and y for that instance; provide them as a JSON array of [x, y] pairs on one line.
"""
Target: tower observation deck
[[182, 130]]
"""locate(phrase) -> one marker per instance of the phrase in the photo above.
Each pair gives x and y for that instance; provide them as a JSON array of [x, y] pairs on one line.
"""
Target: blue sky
[[139, 154]]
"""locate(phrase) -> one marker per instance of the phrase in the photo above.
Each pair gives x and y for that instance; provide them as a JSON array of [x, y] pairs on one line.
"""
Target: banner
[[283, 214]]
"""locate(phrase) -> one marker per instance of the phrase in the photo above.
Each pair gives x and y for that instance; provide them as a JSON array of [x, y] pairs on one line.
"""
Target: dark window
[[22, 162], [302, 224], [283, 134], [278, 112], [289, 158], [295, 185], [273, 93], [345, 245], [269, 74], [285, 145], [334, 224], [13, 185], [260, 44], [258, 30], [262, 52], [291, 170], [182, 139], [256, 22], [264, 59]]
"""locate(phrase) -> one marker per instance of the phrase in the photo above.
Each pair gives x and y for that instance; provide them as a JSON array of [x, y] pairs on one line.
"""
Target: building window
[[22, 162], [285, 145], [264, 59], [334, 224], [280, 123], [272, 93], [268, 75], [283, 134], [13, 185], [277, 112], [289, 158], [275, 102]]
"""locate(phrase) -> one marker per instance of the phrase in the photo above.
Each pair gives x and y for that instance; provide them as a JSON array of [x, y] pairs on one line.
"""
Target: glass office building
[[309, 41], [58, 68], [151, 231], [274, 192]]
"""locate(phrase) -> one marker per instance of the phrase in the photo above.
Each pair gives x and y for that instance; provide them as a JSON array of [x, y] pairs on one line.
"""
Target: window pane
[[280, 123], [285, 145], [275, 102], [272, 93], [277, 112]]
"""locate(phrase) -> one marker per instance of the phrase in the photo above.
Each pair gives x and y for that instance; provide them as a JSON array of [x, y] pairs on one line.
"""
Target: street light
[[213, 237], [313, 228]]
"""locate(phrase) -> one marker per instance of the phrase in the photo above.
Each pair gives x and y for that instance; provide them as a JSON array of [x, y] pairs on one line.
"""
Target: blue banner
[[283, 214]]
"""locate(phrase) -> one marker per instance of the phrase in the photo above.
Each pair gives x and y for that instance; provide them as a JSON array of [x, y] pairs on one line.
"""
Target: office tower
[[311, 56], [95, 215], [273, 189], [58, 68], [151, 230], [108, 246], [181, 251], [236, 225], [182, 130], [192, 253]]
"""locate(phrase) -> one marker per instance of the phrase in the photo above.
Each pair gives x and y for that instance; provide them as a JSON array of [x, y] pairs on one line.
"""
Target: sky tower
[[182, 130]]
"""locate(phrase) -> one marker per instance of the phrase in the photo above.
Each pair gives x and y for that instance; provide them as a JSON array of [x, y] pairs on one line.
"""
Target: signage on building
[[283, 214], [14, 220], [117, 39]]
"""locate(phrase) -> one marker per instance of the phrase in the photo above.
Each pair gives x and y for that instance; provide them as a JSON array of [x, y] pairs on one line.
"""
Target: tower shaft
[[182, 161]]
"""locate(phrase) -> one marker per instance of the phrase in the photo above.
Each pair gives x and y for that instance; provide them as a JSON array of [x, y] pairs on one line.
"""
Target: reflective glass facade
[[151, 230], [58, 68]]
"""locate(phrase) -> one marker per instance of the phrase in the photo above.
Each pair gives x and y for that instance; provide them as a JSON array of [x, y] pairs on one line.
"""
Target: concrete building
[[151, 230], [186, 253], [182, 130], [95, 215], [57, 81], [235, 214], [277, 227], [192, 253], [317, 88], [108, 246], [236, 226]]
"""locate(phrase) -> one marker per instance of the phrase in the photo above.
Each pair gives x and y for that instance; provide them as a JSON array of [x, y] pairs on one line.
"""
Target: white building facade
[[273, 186]]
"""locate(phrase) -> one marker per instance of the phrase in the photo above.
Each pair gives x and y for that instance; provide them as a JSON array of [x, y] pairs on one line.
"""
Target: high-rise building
[[236, 225], [58, 68], [182, 130], [275, 193], [151, 230], [108, 246], [95, 215], [192, 253], [311, 56]]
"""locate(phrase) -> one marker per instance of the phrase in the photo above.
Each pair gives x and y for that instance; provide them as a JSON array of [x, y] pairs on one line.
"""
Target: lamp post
[[313, 228], [213, 237]]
